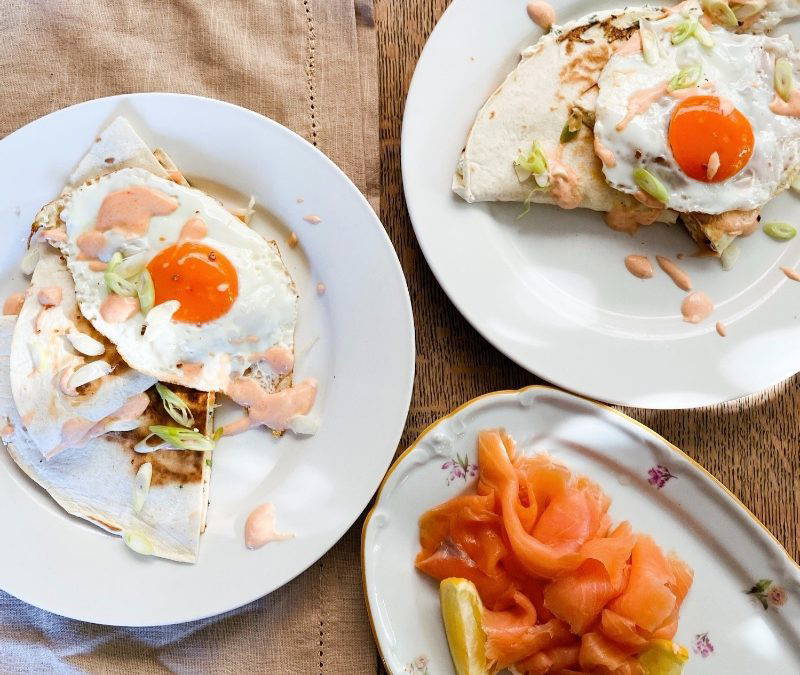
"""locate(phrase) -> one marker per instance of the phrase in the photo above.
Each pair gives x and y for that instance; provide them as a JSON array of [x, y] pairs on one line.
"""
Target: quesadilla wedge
[[546, 106], [97, 482]]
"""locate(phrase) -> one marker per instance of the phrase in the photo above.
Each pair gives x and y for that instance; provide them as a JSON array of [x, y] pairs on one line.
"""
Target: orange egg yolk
[[703, 125], [203, 280]]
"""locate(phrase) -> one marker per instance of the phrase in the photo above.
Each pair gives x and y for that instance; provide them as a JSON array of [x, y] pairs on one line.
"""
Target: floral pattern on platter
[[459, 467], [703, 645], [768, 593], [419, 666], [659, 475]]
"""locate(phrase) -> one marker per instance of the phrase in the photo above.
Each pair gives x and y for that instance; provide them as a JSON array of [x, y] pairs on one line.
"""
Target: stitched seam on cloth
[[312, 45]]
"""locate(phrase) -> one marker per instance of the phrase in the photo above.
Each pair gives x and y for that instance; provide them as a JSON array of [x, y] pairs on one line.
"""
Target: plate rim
[[671, 447], [404, 301]]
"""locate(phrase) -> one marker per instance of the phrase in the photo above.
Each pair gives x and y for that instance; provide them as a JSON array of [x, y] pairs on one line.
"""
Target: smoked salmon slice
[[563, 589], [647, 599]]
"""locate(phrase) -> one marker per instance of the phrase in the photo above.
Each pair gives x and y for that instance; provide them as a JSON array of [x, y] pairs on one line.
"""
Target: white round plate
[[725, 629], [550, 289], [319, 484]]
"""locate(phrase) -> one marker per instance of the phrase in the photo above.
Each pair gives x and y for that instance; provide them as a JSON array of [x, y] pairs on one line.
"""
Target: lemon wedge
[[462, 612], [664, 657]]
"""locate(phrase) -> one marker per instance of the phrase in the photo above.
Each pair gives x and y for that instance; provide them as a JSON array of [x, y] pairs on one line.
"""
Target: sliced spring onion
[[175, 406], [650, 51], [85, 344], [780, 231], [218, 434], [729, 256], [650, 184], [131, 266], [183, 439], [685, 77], [138, 543], [146, 291], [535, 161], [572, 126], [522, 173], [720, 12], [114, 261], [91, 371], [118, 284], [783, 78], [151, 443], [684, 30], [702, 35], [744, 10], [141, 486]]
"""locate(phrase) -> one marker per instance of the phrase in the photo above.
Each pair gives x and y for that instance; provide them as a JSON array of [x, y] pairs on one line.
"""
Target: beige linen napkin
[[311, 65]]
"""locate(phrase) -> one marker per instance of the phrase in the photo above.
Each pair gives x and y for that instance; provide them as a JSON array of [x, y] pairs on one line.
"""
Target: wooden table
[[751, 445]]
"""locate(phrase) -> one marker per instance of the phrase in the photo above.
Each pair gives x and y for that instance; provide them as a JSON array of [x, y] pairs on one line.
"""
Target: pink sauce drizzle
[[564, 183], [7, 431], [273, 410], [312, 219], [194, 228], [678, 276], [793, 274], [63, 381], [628, 219], [78, 431], [280, 359], [260, 527], [55, 234], [640, 101], [13, 304], [50, 296], [541, 13], [118, 308], [648, 200], [639, 266], [98, 266], [129, 210], [91, 243], [191, 371], [722, 329], [696, 307], [790, 108], [321, 288], [633, 45], [605, 155]]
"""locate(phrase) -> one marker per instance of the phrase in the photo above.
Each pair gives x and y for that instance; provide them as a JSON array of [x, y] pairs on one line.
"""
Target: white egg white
[[262, 316], [738, 68]]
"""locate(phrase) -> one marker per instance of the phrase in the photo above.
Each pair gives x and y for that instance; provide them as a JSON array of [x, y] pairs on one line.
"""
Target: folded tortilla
[[556, 76], [96, 482]]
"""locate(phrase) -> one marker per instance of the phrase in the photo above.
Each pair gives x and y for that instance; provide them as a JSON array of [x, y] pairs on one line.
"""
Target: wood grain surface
[[751, 445]]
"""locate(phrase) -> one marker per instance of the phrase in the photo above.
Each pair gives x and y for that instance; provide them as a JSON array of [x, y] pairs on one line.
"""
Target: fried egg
[[221, 298], [697, 117]]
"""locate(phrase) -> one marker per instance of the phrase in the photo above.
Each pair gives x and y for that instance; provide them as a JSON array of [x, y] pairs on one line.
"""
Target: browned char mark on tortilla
[[584, 70], [611, 30], [104, 524], [170, 467]]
